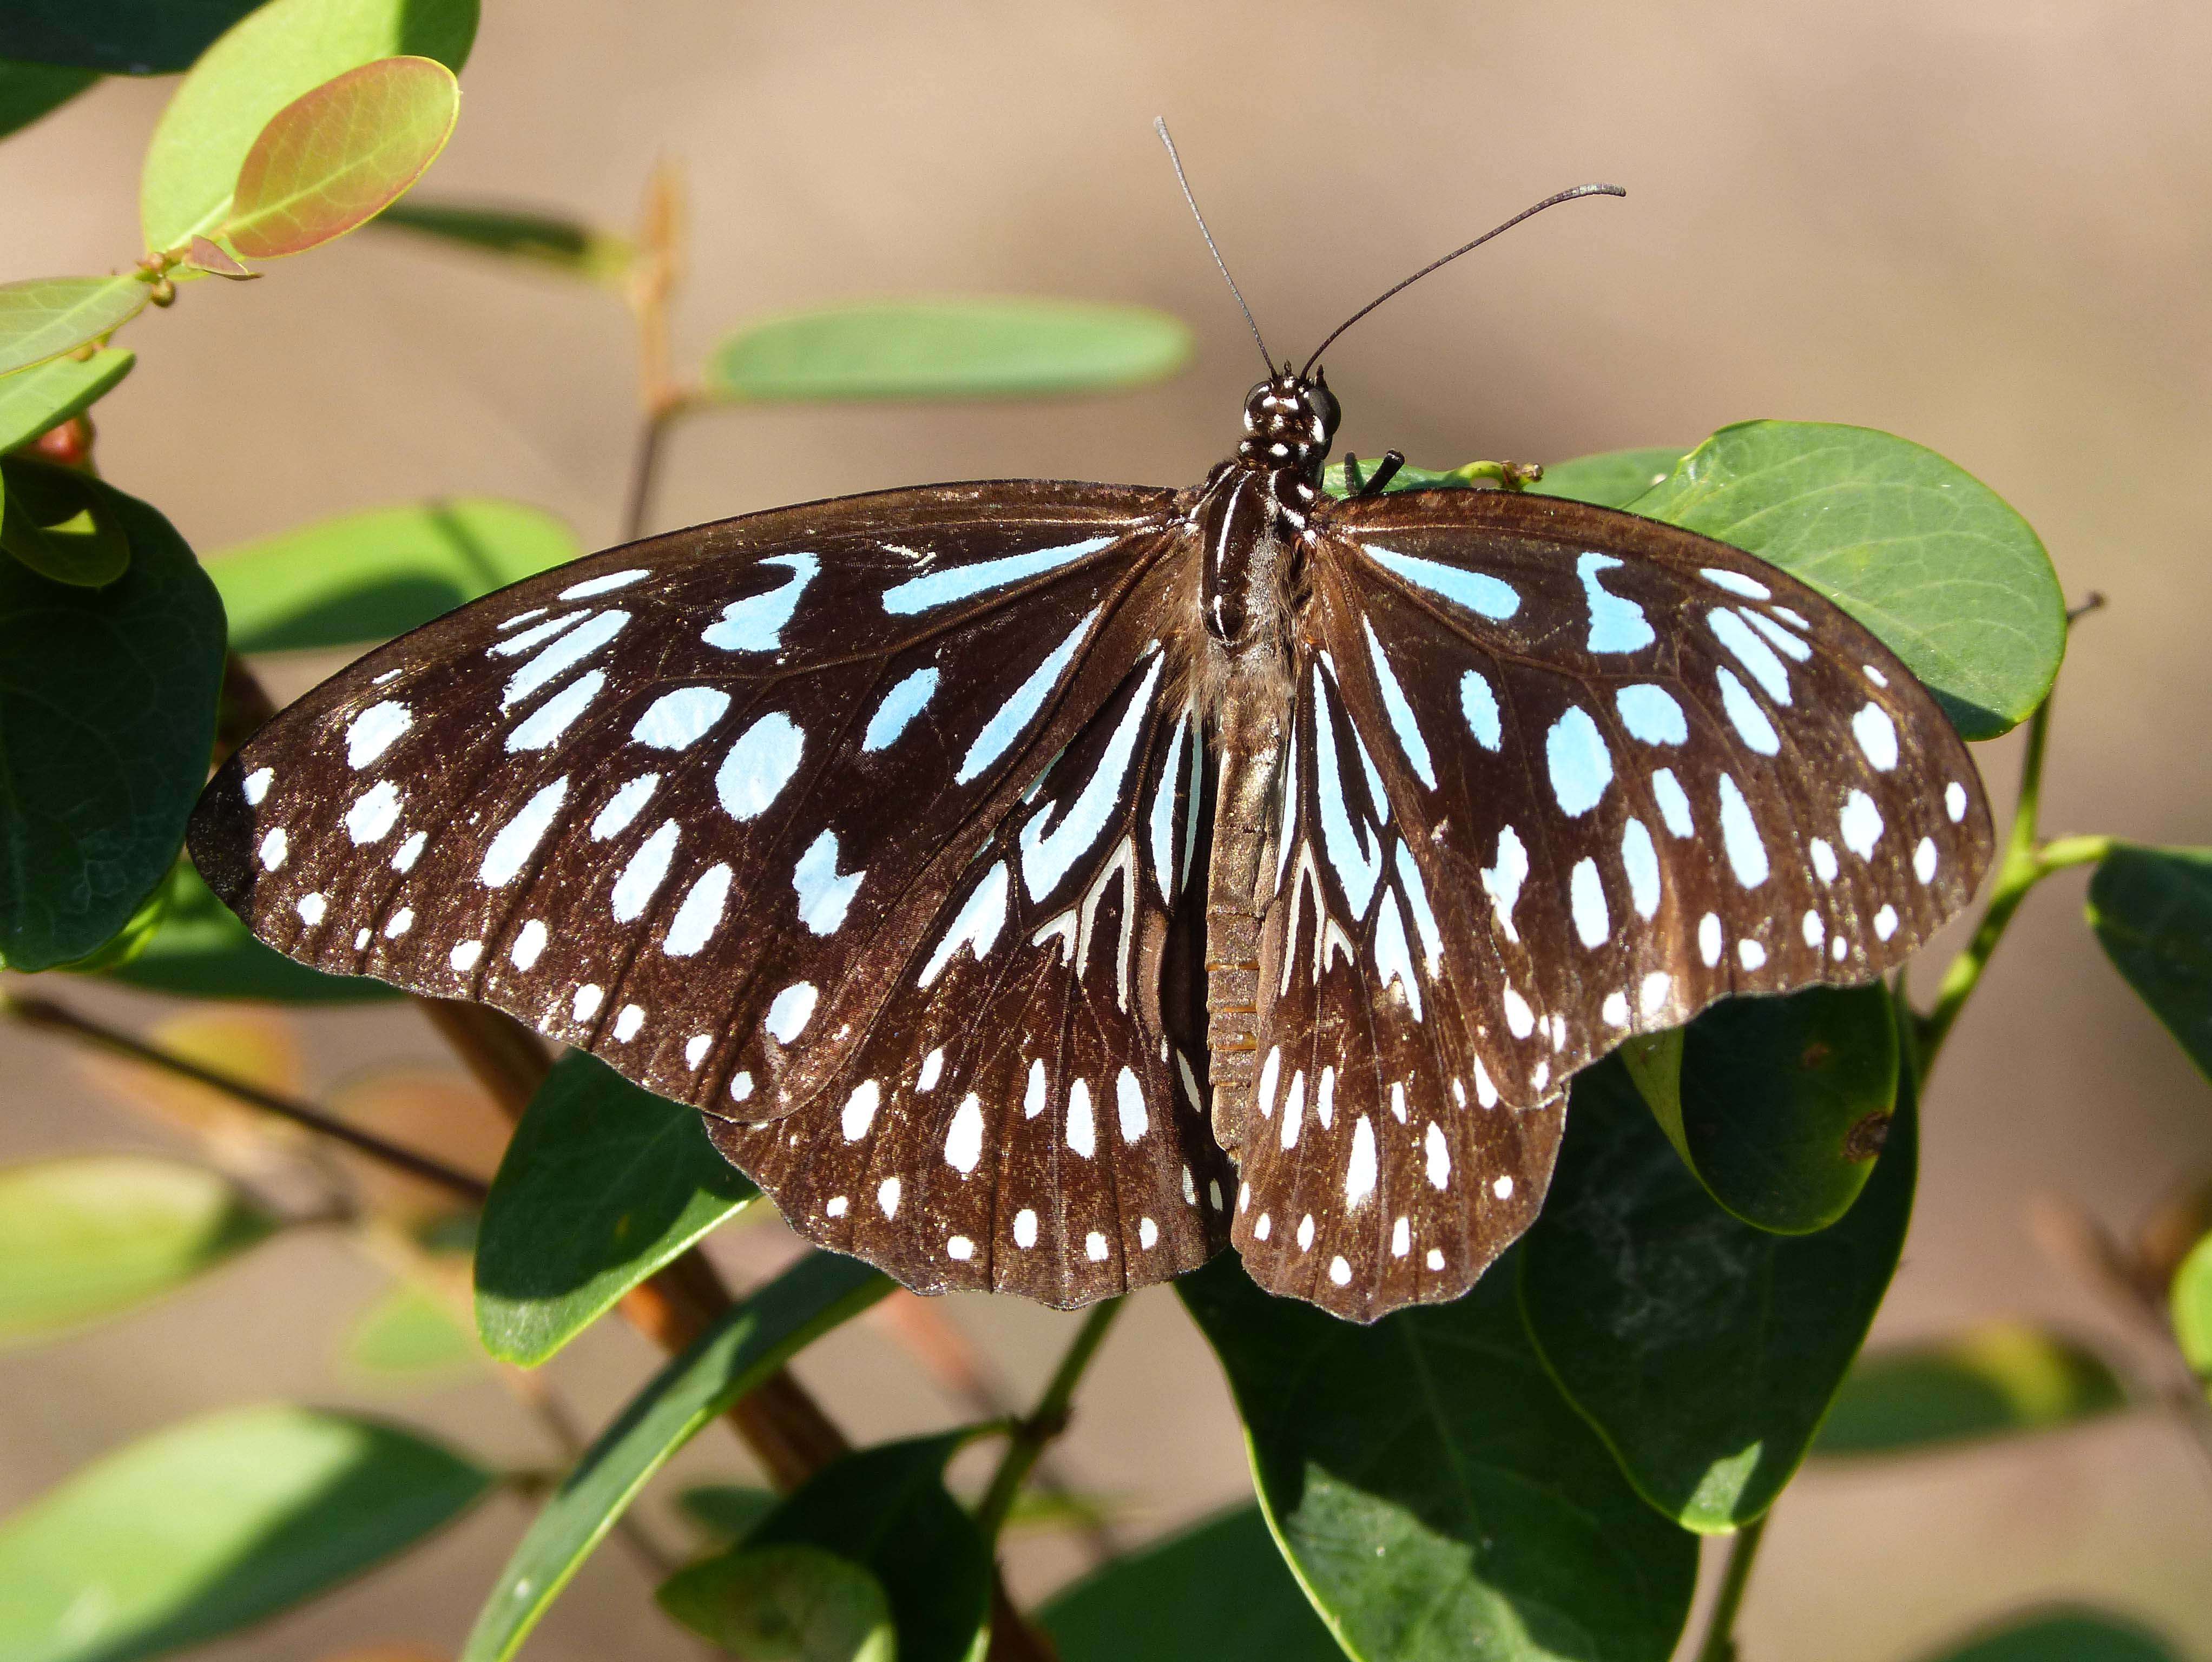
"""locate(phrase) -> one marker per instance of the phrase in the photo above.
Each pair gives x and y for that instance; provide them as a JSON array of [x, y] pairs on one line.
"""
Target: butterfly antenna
[[1160, 125], [1526, 213]]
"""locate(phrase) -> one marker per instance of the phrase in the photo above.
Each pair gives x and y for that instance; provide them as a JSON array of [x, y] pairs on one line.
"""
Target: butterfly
[[1041, 886]]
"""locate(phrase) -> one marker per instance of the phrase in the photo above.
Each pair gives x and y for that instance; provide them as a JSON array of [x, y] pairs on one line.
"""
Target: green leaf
[[1779, 1105], [57, 523], [339, 155], [1010, 347], [408, 1336], [726, 1513], [886, 1509], [603, 1184], [1612, 478], [1434, 1492], [29, 91], [1916, 548], [1998, 1380], [790, 1604], [1166, 1602], [33, 400], [284, 48], [566, 244], [2192, 1304], [213, 1525], [108, 705], [731, 1358], [1339, 479], [44, 316], [2151, 910], [199, 949], [1704, 1351], [2061, 1636], [117, 37], [92, 1235], [373, 575]]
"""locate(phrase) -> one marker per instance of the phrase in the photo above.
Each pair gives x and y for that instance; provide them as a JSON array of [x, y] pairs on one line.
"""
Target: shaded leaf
[[43, 317], [1994, 1380], [108, 705], [1612, 478], [92, 1235], [410, 1337], [1916, 548], [33, 400], [1218, 1591], [2061, 1636], [786, 1604], [2151, 910], [58, 522], [1434, 1492], [726, 1513], [1704, 1351], [603, 1184], [370, 576], [199, 949], [566, 244], [743, 1348], [339, 155], [284, 48], [1343, 479], [30, 90], [1009, 348], [1779, 1105], [215, 1524], [2191, 1303], [117, 37]]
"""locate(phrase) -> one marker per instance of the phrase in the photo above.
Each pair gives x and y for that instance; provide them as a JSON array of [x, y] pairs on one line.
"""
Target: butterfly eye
[[1256, 404], [1321, 404]]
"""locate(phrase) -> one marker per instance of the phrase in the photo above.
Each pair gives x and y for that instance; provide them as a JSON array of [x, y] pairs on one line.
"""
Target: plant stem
[[47, 1016], [1044, 1422], [1720, 1627]]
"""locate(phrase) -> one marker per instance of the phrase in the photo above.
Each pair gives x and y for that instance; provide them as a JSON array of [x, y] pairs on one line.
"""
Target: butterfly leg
[[1385, 470]]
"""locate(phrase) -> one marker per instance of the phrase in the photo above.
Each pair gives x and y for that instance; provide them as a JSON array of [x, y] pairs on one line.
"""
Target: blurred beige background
[[1980, 223]]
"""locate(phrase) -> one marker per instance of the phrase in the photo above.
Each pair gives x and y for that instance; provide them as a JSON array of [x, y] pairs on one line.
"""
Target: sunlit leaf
[[785, 1603], [410, 1337], [2151, 910], [370, 576], [209, 256], [33, 400], [2061, 1636], [1015, 347], [107, 706], [603, 1184], [43, 317], [1218, 1591], [1998, 1380], [117, 37], [2192, 1301], [60, 522], [29, 91], [1612, 478], [216, 1524], [281, 50], [566, 244], [743, 1348], [337, 156], [199, 949], [92, 1236]]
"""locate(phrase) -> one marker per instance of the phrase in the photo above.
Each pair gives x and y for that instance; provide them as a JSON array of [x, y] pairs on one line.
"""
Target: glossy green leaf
[[92, 1235], [199, 949], [29, 91], [603, 1184], [33, 400], [1914, 547], [1998, 1380], [1218, 1591], [1433, 1491], [116, 37], [43, 317], [566, 244], [340, 153], [1704, 1351], [788, 1603], [740, 1350], [886, 1509], [408, 1336], [284, 48], [1612, 478], [58, 522], [2061, 1636], [726, 1513], [2151, 910], [2192, 1304], [370, 576], [213, 1525], [1779, 1105], [1011, 348], [108, 705]]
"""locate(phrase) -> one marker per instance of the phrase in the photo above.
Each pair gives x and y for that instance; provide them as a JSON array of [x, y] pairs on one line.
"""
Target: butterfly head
[[1289, 422]]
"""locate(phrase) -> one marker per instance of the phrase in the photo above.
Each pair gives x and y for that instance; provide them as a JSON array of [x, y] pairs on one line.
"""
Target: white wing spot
[[628, 1020], [1306, 1233], [695, 1048], [557, 714], [700, 914], [1439, 1156], [642, 876], [1504, 880], [741, 1086], [1876, 675], [976, 925], [963, 1141], [759, 765], [1923, 860], [1148, 1234], [1639, 858], [1263, 1227], [586, 1004], [1673, 802], [529, 942], [900, 706], [1436, 1258], [1816, 931], [1401, 1238], [959, 1247], [464, 956], [1502, 1188], [1033, 1097], [1519, 1017], [1270, 1071], [1861, 824], [677, 720], [1094, 1247], [311, 908], [375, 730], [1877, 735], [1294, 1106], [517, 839], [755, 624], [255, 785], [274, 847], [1340, 1271], [1955, 801], [1581, 766], [1746, 852], [1884, 922], [790, 1011], [825, 894], [1082, 1134], [1359, 1171], [1824, 859], [836, 1205], [1614, 1010], [375, 812], [1025, 1228], [1752, 955], [1129, 1100], [933, 1065], [1709, 938], [1651, 994], [1735, 583], [887, 1197], [400, 923], [621, 580], [858, 1113], [625, 806], [1586, 892]]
